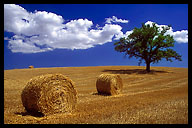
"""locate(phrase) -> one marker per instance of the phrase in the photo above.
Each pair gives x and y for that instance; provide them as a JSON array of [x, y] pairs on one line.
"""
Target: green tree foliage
[[149, 43]]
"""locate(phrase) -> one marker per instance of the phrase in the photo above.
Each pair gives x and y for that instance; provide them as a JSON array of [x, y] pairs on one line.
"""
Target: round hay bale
[[31, 66], [109, 84], [49, 94]]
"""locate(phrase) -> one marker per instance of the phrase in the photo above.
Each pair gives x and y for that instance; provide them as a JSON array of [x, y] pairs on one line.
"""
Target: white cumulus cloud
[[115, 20], [42, 31], [181, 36]]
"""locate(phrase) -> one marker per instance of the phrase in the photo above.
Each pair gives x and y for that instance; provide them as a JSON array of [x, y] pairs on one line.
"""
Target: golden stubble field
[[159, 97]]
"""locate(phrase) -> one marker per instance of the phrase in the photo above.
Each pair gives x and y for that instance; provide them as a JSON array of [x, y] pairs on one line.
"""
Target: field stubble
[[147, 98]]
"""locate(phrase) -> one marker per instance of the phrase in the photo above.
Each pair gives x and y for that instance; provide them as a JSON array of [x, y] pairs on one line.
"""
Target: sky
[[73, 35]]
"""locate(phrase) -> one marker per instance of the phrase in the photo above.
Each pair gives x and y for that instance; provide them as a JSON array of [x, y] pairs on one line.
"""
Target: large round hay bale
[[109, 84], [31, 66], [49, 94]]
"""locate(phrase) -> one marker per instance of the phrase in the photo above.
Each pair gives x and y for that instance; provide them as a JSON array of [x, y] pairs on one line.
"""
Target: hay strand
[[109, 84], [49, 94]]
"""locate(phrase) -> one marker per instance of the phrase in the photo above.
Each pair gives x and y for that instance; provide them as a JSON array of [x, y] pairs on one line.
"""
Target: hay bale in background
[[109, 84], [49, 94], [31, 66]]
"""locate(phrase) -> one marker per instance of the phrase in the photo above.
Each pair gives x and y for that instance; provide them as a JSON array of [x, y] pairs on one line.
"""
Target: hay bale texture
[[49, 94], [109, 84]]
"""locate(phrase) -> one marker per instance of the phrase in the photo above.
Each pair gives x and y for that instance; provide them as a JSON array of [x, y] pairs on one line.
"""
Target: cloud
[[42, 31], [181, 36], [115, 20], [25, 47]]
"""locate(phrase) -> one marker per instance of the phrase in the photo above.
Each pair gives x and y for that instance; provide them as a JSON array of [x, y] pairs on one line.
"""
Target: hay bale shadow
[[39, 114], [101, 94], [132, 71]]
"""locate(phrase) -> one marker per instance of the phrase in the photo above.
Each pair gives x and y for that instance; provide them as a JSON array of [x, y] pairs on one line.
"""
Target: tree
[[149, 43]]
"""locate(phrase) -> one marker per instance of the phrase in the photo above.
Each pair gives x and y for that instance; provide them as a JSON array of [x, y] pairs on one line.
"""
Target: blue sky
[[63, 35]]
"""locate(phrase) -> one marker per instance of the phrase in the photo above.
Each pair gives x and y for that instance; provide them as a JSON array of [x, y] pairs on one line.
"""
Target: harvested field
[[158, 97]]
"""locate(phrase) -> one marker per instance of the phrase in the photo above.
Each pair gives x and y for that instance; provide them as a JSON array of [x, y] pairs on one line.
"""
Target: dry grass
[[158, 97], [48, 94]]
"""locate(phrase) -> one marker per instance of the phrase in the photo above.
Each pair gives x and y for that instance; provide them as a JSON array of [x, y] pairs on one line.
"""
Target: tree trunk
[[147, 66]]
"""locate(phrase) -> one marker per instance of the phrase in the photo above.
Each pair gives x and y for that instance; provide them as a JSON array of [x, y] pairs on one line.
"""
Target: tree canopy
[[149, 43]]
